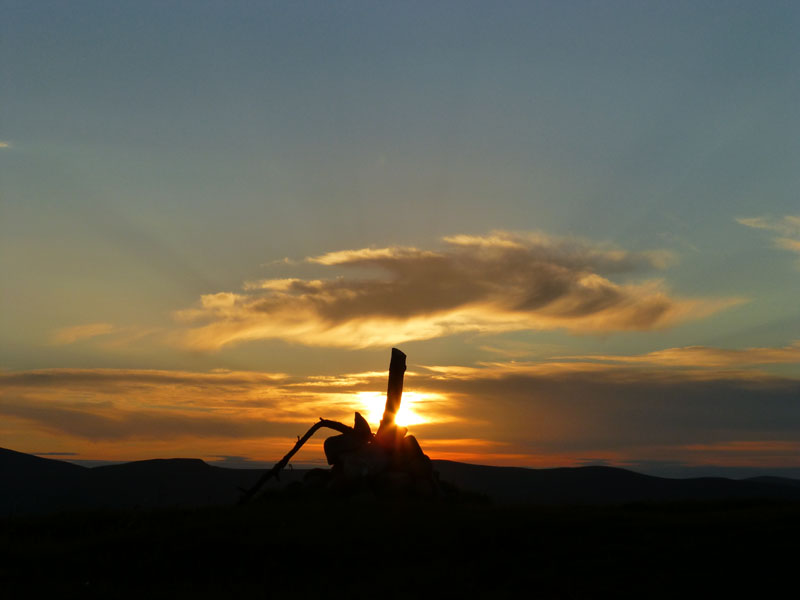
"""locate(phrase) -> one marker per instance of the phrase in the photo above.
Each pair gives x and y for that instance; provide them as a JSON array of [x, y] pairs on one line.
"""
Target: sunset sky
[[579, 220]]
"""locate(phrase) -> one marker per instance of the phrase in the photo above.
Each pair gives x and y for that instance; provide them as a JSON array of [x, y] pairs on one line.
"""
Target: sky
[[579, 220]]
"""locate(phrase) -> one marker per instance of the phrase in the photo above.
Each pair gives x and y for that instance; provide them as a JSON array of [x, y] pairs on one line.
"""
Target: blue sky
[[158, 153]]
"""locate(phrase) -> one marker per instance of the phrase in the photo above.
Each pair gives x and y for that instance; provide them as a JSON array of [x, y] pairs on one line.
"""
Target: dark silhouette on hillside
[[387, 464]]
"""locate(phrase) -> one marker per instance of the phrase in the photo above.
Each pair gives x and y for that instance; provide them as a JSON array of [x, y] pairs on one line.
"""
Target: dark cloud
[[499, 282], [575, 408]]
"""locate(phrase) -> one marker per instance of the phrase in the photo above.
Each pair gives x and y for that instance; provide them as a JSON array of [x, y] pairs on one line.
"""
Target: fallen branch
[[274, 471]]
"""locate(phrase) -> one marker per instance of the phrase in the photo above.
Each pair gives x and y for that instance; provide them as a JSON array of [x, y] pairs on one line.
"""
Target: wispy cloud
[[70, 335], [788, 244], [787, 229], [107, 335], [499, 282], [5, 144], [707, 357]]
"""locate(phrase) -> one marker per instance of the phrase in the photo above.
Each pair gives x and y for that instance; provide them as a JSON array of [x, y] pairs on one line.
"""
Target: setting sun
[[373, 403]]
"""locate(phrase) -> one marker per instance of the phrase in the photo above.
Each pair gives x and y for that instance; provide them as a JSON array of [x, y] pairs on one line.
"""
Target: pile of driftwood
[[386, 464]]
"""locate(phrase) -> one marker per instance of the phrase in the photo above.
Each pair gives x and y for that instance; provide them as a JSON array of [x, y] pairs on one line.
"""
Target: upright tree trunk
[[394, 393]]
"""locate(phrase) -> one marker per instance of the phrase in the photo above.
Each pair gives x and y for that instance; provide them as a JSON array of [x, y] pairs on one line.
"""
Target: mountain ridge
[[35, 484]]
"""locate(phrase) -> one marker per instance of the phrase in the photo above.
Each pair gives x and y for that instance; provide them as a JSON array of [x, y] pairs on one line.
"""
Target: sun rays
[[412, 409]]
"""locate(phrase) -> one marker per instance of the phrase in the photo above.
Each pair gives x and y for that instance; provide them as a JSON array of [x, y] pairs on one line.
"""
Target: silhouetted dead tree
[[387, 430], [389, 461]]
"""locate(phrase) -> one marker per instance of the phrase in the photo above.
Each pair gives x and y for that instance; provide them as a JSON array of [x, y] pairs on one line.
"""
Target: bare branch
[[274, 471]]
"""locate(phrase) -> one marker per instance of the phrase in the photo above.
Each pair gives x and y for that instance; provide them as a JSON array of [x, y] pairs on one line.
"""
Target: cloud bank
[[720, 410], [494, 283], [559, 413]]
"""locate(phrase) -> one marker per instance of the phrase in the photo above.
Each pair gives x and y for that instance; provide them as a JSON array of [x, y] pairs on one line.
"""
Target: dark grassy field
[[289, 548]]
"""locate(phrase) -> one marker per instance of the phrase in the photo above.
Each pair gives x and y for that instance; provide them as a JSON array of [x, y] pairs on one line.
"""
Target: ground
[[283, 548]]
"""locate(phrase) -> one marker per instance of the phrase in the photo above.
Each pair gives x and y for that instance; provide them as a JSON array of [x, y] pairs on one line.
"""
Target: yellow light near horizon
[[373, 403]]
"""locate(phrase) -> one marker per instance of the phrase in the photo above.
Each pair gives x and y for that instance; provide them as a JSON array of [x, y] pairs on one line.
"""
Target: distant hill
[[780, 481], [32, 484], [35, 485], [605, 485]]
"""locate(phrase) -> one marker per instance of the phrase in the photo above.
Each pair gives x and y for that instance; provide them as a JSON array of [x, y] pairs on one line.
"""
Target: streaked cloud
[[55, 453], [108, 336], [110, 404], [754, 454], [5, 144], [787, 229], [103, 405], [115, 380], [494, 283], [706, 357], [610, 373], [70, 335], [681, 405], [787, 225]]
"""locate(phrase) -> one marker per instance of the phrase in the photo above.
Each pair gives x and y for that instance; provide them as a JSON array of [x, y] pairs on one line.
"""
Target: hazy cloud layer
[[114, 404], [499, 282], [120, 404], [787, 229], [707, 406], [567, 410]]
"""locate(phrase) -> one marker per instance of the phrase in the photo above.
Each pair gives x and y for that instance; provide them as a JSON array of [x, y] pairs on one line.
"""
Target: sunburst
[[373, 403]]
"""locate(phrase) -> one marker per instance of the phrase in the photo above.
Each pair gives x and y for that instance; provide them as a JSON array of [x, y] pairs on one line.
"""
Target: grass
[[310, 549]]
